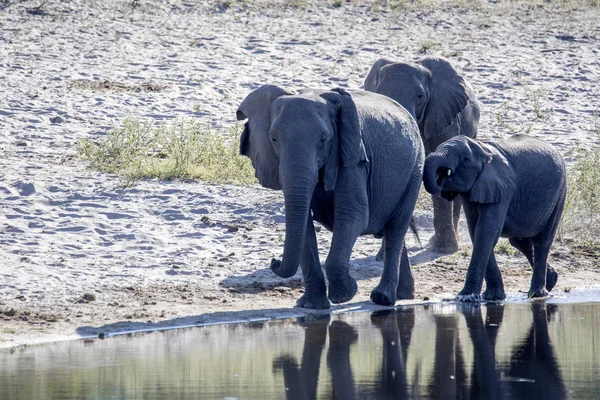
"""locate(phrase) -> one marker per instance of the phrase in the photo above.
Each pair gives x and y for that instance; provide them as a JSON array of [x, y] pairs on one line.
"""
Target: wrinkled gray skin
[[515, 189], [444, 106], [352, 162]]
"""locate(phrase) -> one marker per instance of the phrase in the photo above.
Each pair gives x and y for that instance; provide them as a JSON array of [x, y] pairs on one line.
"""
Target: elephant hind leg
[[444, 239], [397, 278], [525, 246], [544, 277], [385, 293], [379, 256], [406, 282]]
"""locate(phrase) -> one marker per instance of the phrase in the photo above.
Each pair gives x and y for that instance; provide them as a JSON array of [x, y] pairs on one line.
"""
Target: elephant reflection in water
[[301, 381], [396, 328], [485, 382], [448, 380], [535, 361], [533, 371]]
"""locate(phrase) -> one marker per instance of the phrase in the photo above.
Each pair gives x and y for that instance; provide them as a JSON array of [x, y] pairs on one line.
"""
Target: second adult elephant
[[444, 105], [351, 161]]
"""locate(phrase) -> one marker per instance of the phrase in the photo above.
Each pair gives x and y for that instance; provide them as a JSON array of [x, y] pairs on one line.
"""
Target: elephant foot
[[406, 291], [551, 278], [440, 244], [379, 256], [494, 294], [342, 334], [342, 289], [383, 295], [535, 294], [466, 297], [385, 320], [317, 301], [284, 362]]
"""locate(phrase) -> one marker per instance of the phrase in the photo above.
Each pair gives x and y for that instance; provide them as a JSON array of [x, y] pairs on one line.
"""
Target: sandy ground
[[78, 256]]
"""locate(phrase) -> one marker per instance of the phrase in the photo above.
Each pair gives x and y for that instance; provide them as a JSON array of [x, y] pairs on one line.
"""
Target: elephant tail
[[414, 230]]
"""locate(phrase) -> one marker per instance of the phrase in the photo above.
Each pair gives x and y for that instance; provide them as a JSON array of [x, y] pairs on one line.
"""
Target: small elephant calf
[[515, 189]]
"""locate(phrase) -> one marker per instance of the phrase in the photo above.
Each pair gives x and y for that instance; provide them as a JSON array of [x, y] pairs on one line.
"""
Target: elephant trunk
[[435, 170], [297, 191]]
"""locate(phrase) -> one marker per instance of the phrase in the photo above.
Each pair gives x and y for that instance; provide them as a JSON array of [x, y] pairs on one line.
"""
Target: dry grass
[[183, 149], [581, 217]]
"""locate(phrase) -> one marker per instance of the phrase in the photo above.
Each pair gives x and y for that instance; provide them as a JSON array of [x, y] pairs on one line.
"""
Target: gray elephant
[[515, 189], [444, 105], [352, 162]]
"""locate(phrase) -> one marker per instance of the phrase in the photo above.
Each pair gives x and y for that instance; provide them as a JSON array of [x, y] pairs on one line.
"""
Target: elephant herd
[[354, 162]]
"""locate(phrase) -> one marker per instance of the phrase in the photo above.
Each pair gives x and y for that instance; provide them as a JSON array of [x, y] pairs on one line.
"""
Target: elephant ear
[[372, 79], [449, 97], [255, 142], [496, 181], [347, 148]]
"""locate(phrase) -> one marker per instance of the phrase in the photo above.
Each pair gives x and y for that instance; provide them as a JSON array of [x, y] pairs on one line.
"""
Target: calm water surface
[[523, 351]]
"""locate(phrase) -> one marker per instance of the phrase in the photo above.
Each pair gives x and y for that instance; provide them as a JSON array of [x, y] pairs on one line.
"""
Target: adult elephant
[[351, 161], [515, 189], [444, 105]]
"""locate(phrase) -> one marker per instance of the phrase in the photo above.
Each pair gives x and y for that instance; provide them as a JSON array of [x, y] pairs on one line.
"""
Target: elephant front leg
[[494, 286], [350, 220], [315, 291], [485, 235], [445, 238], [342, 287]]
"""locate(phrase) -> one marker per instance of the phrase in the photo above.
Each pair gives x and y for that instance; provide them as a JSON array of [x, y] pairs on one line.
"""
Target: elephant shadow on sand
[[532, 372], [361, 268]]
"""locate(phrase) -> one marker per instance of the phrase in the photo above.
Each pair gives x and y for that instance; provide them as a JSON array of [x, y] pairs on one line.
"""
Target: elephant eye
[[467, 160]]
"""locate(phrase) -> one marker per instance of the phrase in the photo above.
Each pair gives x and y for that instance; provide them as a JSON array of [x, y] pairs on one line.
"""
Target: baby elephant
[[515, 189]]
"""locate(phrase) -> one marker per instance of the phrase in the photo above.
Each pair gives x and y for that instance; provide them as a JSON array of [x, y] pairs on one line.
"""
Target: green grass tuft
[[183, 149]]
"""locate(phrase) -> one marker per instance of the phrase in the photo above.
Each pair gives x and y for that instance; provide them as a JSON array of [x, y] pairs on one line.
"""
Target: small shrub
[[183, 149], [465, 250], [538, 96], [504, 247], [427, 45], [581, 216]]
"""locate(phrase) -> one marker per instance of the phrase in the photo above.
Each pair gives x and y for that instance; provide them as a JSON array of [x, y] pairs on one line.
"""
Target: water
[[526, 350]]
